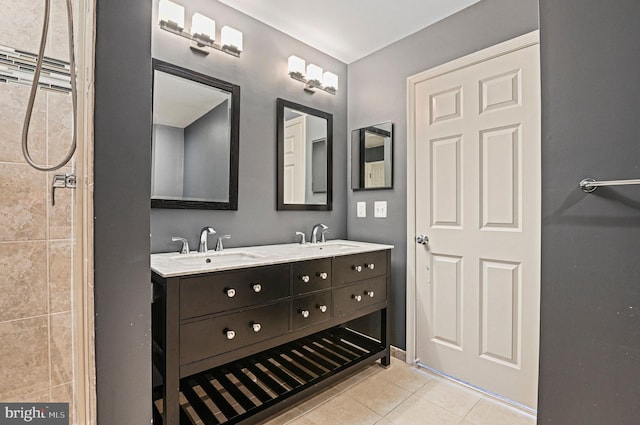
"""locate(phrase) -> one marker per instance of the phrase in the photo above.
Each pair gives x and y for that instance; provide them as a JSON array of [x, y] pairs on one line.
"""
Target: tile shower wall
[[36, 238]]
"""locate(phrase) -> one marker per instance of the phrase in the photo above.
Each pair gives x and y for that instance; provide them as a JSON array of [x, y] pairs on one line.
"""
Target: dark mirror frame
[[358, 156], [281, 104], [234, 90]]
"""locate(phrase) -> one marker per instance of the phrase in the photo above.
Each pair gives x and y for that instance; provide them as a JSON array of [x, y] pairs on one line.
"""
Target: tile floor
[[400, 395]]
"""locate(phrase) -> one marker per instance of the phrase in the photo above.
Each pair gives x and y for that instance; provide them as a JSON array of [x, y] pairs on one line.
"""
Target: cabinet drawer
[[309, 276], [311, 309], [362, 294], [210, 337], [352, 268], [229, 290]]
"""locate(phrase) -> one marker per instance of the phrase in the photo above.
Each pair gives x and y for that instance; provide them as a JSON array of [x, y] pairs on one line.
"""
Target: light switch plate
[[380, 209], [361, 209]]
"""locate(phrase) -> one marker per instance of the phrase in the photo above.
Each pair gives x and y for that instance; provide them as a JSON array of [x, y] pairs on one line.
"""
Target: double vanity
[[241, 333]]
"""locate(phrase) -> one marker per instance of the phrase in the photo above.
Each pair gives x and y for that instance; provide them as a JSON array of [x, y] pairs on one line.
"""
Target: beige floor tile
[[342, 410], [318, 399], [451, 396], [358, 377], [378, 394], [285, 417], [303, 420], [491, 412], [406, 376], [416, 411]]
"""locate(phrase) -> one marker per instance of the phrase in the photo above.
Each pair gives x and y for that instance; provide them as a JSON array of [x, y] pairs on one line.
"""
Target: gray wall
[[261, 72], [167, 165], [122, 167], [206, 155], [590, 337], [377, 93]]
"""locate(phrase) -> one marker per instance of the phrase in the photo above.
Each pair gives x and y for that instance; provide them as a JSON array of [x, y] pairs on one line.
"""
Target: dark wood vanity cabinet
[[265, 337]]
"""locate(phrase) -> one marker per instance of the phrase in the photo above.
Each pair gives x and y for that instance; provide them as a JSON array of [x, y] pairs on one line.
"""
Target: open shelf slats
[[232, 393]]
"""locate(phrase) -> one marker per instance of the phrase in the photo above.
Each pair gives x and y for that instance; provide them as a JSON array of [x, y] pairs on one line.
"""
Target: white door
[[294, 160], [477, 171], [374, 172]]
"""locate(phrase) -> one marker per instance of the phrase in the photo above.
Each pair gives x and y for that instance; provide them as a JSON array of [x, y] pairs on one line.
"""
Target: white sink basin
[[328, 247], [215, 258], [171, 264]]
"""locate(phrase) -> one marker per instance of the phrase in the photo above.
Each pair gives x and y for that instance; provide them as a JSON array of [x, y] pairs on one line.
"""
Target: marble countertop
[[173, 264]]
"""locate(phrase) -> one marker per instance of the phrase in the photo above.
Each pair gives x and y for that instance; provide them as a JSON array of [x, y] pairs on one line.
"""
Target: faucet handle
[[185, 244], [322, 238], [219, 246], [303, 238]]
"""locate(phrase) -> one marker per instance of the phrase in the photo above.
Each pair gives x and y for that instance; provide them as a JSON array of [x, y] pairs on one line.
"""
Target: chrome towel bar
[[589, 185]]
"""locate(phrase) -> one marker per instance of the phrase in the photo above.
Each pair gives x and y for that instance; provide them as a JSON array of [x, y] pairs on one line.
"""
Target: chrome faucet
[[185, 244], [219, 246], [204, 233], [303, 238], [314, 232]]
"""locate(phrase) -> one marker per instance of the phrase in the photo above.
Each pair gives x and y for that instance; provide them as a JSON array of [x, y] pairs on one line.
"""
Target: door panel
[[477, 281]]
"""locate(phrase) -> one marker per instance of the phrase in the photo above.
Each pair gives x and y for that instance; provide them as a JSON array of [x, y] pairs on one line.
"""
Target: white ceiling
[[349, 29], [177, 102]]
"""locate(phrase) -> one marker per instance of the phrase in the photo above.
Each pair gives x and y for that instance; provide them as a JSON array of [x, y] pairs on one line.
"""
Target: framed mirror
[[372, 157], [305, 157], [196, 122]]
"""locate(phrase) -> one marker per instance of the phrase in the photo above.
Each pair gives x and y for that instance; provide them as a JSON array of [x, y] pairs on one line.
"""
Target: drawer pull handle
[[304, 278], [304, 313], [369, 293], [230, 292], [230, 334], [322, 308], [357, 268], [358, 298], [322, 275], [370, 266], [256, 287], [256, 326]]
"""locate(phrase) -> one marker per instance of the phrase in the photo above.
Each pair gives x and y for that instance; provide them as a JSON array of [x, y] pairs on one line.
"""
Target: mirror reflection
[[194, 140], [304, 156], [371, 157]]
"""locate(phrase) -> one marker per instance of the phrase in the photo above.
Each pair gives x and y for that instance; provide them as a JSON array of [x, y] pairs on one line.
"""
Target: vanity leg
[[386, 360], [171, 390]]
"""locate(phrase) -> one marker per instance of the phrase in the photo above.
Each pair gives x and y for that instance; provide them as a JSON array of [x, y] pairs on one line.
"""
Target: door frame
[[488, 53]]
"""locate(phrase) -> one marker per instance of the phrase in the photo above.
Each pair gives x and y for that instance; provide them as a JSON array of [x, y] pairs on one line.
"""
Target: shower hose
[[34, 89]]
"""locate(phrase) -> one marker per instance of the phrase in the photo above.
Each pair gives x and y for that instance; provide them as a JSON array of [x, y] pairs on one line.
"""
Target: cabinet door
[[209, 337], [349, 299], [311, 309], [309, 276], [352, 268], [214, 293]]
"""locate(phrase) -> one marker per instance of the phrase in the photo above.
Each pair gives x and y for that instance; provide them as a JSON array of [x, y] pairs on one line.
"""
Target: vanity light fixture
[[312, 76], [203, 30]]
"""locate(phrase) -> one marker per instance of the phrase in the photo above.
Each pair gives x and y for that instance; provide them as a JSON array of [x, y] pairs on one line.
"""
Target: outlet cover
[[361, 209], [380, 209]]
